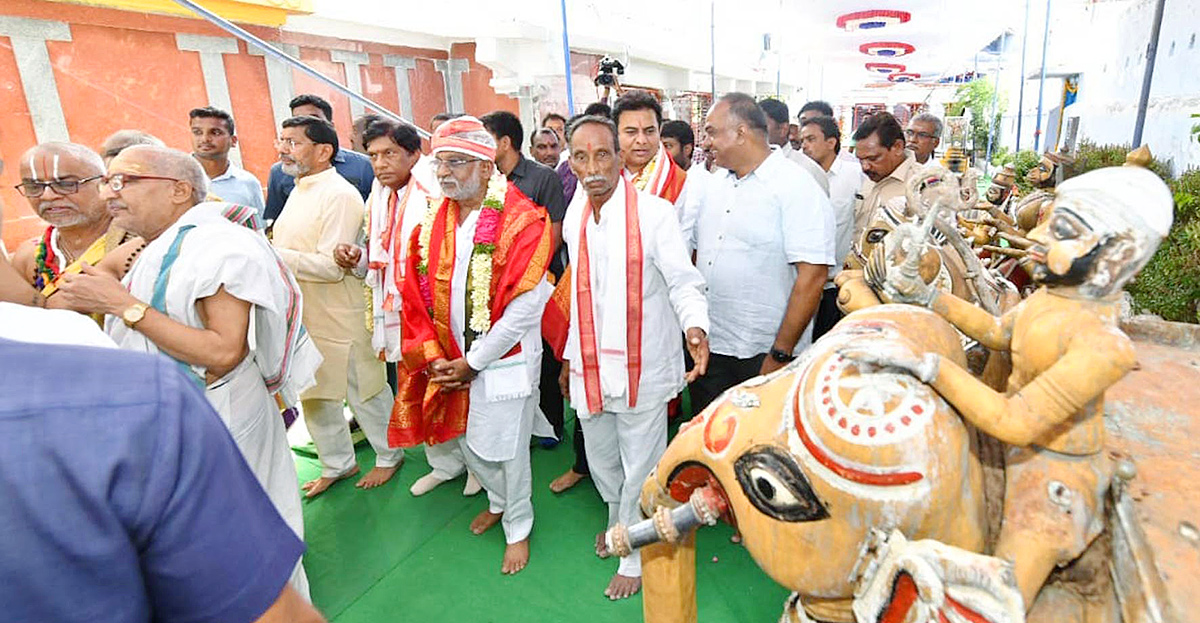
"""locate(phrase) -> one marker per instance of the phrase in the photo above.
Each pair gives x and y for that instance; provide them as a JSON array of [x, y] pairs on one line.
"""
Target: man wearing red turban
[[472, 302]]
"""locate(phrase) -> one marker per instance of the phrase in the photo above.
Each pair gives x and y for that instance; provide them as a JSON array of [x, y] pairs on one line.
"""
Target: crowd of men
[[455, 298]]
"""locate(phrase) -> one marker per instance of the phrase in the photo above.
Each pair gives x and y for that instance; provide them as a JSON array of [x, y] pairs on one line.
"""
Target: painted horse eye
[[876, 235], [774, 484]]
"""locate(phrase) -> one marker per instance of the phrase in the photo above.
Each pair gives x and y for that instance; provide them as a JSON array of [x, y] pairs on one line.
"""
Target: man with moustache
[[213, 296], [62, 183], [545, 147], [394, 209], [880, 148], [633, 292], [923, 135], [212, 138], [474, 290], [323, 211]]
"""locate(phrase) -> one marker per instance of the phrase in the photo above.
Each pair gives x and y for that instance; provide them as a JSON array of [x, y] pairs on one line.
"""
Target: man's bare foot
[[484, 521], [425, 484], [566, 481], [377, 476], [516, 556], [622, 587], [602, 547], [317, 486]]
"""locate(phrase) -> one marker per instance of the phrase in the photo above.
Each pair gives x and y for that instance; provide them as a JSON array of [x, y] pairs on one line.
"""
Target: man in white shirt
[[633, 291], [764, 240], [777, 135], [394, 209], [212, 138], [821, 140], [474, 292]]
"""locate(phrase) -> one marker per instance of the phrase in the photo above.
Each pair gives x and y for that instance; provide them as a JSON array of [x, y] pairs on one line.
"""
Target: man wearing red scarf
[[638, 117], [633, 290], [473, 295]]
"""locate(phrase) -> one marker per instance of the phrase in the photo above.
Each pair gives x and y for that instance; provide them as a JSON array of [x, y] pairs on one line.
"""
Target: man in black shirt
[[541, 184]]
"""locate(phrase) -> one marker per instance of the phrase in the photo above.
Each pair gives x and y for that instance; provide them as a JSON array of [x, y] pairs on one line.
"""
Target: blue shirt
[[125, 498], [353, 166], [237, 185]]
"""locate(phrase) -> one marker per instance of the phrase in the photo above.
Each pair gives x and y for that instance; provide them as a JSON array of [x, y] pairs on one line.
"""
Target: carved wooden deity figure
[[1002, 186], [1066, 350]]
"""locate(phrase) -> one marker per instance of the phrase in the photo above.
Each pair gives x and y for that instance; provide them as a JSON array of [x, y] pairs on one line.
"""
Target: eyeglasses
[[914, 133], [33, 190], [290, 143], [117, 181], [454, 164]]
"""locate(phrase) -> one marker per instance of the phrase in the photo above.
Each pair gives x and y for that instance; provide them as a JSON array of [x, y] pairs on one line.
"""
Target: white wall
[[1106, 43]]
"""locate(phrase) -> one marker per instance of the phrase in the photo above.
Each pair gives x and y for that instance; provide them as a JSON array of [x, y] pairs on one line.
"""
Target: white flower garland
[[487, 232]]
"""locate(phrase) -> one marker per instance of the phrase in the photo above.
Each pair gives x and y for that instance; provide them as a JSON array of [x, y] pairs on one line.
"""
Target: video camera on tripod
[[607, 74]]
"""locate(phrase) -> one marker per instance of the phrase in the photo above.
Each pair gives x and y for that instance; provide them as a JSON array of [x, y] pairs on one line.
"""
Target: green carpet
[[382, 555]]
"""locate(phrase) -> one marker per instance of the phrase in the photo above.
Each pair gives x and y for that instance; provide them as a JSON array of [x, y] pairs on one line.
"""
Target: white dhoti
[[252, 416], [509, 483], [622, 448], [445, 459], [327, 426], [198, 255]]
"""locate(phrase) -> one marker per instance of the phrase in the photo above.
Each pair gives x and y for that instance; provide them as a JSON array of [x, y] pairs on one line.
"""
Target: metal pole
[[567, 61], [271, 51], [1037, 133], [1151, 54], [1021, 91], [712, 42]]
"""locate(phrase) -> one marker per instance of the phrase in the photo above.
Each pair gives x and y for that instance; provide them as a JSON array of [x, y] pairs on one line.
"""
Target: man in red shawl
[[472, 302]]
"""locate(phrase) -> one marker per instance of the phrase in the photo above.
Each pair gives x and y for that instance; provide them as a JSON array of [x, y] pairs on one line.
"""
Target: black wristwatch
[[781, 356]]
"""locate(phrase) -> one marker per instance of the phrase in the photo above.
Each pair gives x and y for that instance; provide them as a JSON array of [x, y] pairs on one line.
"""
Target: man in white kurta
[[323, 211], [496, 446], [472, 349], [197, 253], [621, 377], [403, 187]]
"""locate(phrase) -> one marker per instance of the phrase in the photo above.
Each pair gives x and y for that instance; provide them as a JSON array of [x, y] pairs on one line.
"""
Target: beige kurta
[[876, 194], [323, 211]]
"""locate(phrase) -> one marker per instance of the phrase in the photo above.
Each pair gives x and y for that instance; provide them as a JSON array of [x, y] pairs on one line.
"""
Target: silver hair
[[80, 152], [933, 119], [177, 164], [121, 139]]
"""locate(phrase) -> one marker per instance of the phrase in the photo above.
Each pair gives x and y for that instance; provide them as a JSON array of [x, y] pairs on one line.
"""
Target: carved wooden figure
[[1066, 349]]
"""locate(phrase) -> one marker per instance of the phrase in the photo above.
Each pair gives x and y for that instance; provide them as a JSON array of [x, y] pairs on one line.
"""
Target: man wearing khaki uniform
[[323, 211], [879, 145]]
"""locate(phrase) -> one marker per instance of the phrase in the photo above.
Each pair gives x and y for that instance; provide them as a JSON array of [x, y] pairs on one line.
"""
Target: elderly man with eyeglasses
[[922, 136], [209, 292], [62, 183], [323, 212], [471, 308]]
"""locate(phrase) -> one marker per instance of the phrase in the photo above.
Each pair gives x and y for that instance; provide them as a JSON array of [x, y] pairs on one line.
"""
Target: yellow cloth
[[92, 255], [323, 211]]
